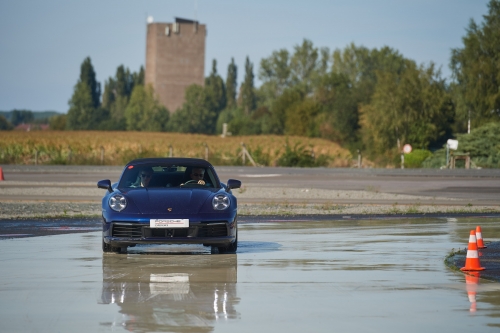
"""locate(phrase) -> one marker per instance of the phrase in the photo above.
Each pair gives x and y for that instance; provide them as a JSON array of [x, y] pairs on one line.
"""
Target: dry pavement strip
[[30, 191]]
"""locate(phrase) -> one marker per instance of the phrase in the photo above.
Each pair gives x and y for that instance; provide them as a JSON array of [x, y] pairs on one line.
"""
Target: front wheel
[[107, 248], [231, 248]]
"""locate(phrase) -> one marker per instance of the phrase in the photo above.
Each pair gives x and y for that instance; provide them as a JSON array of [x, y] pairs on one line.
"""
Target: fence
[[97, 156]]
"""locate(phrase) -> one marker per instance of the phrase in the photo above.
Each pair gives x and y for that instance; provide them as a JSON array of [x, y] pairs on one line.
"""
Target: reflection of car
[[172, 208], [169, 293]]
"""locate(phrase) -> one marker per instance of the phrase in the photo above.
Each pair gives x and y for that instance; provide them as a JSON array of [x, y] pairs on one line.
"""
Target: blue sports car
[[169, 201]]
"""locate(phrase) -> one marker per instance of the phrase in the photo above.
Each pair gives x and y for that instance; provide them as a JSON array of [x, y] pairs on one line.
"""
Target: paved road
[[479, 187]]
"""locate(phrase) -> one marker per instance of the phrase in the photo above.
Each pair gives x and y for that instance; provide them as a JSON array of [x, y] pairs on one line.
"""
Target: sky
[[43, 43]]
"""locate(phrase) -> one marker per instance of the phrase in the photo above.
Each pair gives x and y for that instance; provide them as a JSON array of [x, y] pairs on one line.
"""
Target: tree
[[304, 65], [361, 65], [215, 90], [195, 116], [339, 116], [280, 107], [283, 70], [144, 112], [4, 124], [87, 76], [231, 84], [109, 94], [21, 116], [476, 69], [82, 113], [413, 107], [275, 74], [247, 94], [57, 123], [138, 77], [300, 118], [116, 96]]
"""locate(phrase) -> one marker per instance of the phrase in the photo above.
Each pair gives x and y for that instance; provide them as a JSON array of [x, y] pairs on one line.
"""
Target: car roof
[[172, 161]]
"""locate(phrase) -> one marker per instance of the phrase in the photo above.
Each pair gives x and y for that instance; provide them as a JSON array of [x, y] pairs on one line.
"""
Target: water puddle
[[292, 276]]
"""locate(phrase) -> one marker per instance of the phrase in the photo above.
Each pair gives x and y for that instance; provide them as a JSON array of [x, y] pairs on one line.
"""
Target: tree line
[[10, 119], [375, 99]]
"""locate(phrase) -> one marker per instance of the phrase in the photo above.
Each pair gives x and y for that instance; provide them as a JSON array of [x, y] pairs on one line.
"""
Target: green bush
[[416, 158], [260, 156], [436, 160], [299, 156], [482, 144]]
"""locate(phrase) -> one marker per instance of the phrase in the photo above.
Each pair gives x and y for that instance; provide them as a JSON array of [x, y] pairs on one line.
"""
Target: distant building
[[175, 59], [31, 127]]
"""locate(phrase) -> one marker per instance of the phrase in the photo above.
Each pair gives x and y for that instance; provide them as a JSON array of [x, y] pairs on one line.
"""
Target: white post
[[468, 124], [243, 153], [224, 130], [447, 155]]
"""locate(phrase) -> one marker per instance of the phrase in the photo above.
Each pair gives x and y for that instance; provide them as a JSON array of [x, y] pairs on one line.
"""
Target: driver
[[196, 176], [144, 178]]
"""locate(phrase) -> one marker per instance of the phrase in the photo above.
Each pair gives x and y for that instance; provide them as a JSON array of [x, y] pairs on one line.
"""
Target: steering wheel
[[193, 181]]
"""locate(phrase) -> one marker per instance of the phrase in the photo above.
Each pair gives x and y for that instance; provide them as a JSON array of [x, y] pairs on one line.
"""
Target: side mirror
[[233, 183], [105, 184]]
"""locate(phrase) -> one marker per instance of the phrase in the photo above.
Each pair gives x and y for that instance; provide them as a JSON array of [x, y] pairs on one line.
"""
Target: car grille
[[212, 230], [126, 230]]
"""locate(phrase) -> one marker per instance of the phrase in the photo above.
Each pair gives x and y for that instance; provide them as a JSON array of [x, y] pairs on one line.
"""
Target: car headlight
[[117, 202], [221, 202]]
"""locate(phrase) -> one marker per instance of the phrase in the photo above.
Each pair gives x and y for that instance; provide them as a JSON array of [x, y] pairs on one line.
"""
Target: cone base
[[472, 269]]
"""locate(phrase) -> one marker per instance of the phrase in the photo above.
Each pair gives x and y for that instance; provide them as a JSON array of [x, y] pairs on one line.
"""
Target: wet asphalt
[[289, 275]]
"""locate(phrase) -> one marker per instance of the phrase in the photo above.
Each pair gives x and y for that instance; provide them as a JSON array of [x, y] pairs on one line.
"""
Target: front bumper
[[211, 233]]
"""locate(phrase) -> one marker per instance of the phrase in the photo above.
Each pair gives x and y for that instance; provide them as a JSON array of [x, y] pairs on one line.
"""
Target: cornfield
[[117, 148]]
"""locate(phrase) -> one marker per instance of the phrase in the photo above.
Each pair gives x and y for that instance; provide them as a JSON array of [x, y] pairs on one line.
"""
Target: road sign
[[452, 144]]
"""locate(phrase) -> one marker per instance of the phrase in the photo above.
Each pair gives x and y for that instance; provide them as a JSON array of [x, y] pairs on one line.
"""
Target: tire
[[106, 248], [231, 248]]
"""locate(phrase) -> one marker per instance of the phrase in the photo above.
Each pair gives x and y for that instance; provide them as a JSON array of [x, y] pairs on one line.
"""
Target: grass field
[[117, 148]]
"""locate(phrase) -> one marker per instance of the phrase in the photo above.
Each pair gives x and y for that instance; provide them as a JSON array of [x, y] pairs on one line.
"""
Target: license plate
[[169, 223]]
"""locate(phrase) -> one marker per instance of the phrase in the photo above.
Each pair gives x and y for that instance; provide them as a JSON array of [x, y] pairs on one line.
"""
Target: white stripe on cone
[[472, 254]]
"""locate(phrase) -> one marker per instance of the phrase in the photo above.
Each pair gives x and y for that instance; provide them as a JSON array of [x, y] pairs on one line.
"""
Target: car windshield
[[173, 176]]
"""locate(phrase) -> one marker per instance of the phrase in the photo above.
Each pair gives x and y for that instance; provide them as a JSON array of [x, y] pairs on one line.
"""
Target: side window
[[129, 178], [209, 177]]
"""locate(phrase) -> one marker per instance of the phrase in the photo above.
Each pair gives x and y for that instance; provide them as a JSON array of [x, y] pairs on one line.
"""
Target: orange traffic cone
[[472, 260], [479, 237], [471, 282], [1, 174]]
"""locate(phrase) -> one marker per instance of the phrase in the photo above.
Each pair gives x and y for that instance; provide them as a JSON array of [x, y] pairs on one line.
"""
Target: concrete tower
[[175, 59]]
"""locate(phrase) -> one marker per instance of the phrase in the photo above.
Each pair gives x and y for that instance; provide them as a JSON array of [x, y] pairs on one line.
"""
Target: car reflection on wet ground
[[289, 275]]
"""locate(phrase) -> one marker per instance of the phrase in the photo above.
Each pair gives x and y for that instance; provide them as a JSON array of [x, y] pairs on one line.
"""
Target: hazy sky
[[43, 43]]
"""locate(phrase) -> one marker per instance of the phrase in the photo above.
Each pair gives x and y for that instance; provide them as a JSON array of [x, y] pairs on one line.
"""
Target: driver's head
[[197, 173], [145, 175]]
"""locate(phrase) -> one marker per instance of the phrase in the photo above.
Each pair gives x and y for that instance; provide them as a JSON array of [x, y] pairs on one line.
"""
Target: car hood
[[157, 201]]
